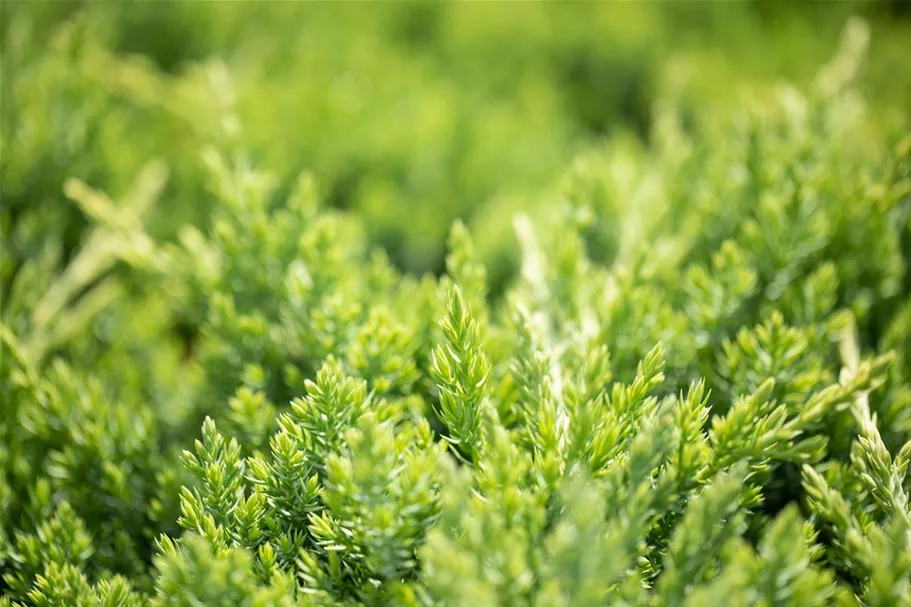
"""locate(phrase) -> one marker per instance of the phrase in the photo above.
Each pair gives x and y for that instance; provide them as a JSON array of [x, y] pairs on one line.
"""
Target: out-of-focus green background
[[411, 113]]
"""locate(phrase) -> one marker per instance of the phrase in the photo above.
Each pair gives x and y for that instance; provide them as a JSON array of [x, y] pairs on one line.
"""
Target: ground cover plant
[[614, 338]]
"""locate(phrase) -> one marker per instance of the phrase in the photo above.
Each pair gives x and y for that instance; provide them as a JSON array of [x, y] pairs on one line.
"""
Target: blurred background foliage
[[412, 114]]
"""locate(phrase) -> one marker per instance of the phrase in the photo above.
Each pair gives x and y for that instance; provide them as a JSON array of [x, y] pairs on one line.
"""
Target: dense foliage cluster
[[684, 378]]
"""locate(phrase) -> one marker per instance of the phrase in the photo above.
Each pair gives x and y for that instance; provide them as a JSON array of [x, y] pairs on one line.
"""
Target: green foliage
[[225, 380], [461, 370]]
